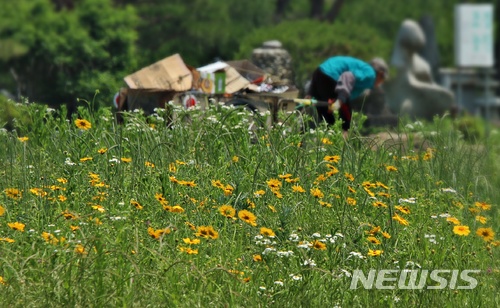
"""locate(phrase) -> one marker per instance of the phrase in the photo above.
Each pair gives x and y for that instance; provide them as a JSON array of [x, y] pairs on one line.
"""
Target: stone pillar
[[274, 60]]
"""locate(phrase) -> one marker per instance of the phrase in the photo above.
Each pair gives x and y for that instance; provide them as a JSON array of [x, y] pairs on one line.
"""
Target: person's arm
[[345, 84]]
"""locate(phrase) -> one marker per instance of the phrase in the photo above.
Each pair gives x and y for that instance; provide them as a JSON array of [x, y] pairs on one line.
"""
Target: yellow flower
[[267, 232], [99, 208], [351, 190], [274, 184], [351, 201], [325, 204], [272, 208], [6, 239], [298, 188], [369, 192], [374, 230], [149, 164], [126, 159], [285, 176], [403, 209], [80, 249], [486, 233], [481, 219], [483, 205], [373, 240], [259, 193], [189, 250], [375, 253], [23, 139], [248, 217], [136, 204], [84, 159], [62, 180], [174, 209], [391, 168], [380, 184], [386, 235], [400, 219], [379, 204], [453, 220], [2, 281], [326, 141], [235, 159], [68, 215], [102, 150], [2, 210], [349, 176], [332, 159], [83, 124], [18, 226], [461, 230], [74, 228], [318, 245], [156, 234], [316, 192], [13, 193], [207, 232], [50, 238], [228, 211], [191, 241], [172, 167], [257, 258]]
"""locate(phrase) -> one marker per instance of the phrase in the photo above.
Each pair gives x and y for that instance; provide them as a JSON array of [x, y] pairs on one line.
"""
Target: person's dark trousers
[[322, 88]]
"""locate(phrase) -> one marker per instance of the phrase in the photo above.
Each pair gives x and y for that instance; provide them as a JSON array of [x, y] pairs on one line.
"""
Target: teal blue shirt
[[364, 74]]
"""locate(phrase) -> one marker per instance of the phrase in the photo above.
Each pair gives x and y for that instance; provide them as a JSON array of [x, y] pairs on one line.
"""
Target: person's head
[[381, 69]]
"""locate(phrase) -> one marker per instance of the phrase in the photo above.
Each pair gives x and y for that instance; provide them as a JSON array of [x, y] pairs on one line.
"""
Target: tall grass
[[130, 215]]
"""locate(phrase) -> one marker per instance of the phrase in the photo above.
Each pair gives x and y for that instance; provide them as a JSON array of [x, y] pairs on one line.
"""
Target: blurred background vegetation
[[56, 51]]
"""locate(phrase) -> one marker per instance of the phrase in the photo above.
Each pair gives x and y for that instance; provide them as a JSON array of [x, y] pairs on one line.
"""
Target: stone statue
[[413, 91]]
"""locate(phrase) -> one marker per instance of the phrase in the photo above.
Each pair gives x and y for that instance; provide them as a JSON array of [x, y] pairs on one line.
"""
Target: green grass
[[99, 194]]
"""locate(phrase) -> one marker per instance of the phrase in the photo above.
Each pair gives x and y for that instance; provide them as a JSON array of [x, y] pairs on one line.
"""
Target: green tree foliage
[[199, 30], [68, 53]]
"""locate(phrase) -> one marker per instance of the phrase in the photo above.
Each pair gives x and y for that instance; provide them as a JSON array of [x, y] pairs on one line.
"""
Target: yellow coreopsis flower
[[156, 234], [486, 233], [316, 192], [80, 249], [189, 241], [318, 245], [461, 230], [13, 193], [375, 253], [227, 210], [267, 232], [102, 150], [400, 219], [483, 205], [207, 232], [248, 217], [18, 226], [481, 219], [391, 168], [83, 124], [126, 159], [23, 139], [136, 204], [373, 240], [2, 210], [332, 159]]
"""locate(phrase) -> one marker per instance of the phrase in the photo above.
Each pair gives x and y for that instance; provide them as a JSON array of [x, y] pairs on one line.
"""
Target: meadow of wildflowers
[[202, 212]]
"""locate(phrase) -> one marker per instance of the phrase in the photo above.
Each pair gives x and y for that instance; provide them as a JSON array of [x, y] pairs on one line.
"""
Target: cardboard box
[[169, 74], [220, 78]]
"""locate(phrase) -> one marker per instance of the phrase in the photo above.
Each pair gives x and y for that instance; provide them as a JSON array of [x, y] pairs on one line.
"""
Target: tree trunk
[[334, 11], [281, 6], [316, 9]]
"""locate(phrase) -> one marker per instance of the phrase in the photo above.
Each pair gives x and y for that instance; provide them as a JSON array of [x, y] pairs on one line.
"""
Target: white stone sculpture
[[413, 91]]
